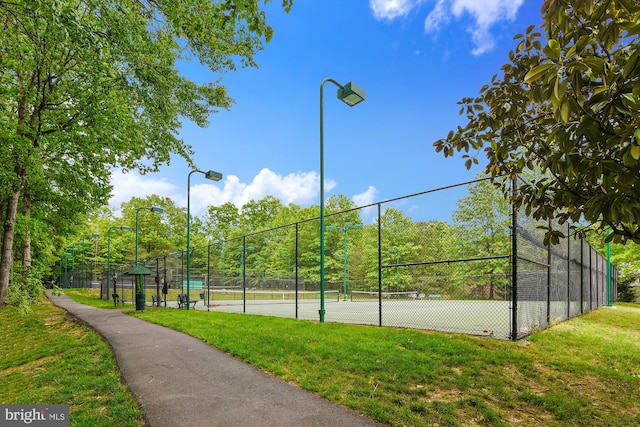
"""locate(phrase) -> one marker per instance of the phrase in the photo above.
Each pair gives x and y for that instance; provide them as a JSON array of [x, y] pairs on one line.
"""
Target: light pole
[[286, 255], [351, 95], [609, 271], [397, 254], [119, 227], [72, 252], [344, 230], [213, 176], [65, 256], [94, 235], [140, 302], [82, 278], [461, 244]]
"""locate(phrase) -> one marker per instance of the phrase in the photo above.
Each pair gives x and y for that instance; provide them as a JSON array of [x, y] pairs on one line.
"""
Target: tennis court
[[503, 281], [491, 318]]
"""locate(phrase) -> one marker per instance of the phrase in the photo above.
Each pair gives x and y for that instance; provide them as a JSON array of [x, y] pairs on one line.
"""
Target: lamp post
[[608, 271], [286, 255], [83, 243], [461, 244], [118, 227], [351, 95], [213, 176], [140, 302], [395, 252], [72, 251], [82, 278], [65, 257], [344, 230]]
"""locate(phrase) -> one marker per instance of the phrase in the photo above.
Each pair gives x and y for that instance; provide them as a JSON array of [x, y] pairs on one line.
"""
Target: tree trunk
[[6, 251]]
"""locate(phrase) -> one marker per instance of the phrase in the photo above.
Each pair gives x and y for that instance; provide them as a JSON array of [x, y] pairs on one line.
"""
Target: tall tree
[[221, 221], [88, 85], [568, 107], [482, 222]]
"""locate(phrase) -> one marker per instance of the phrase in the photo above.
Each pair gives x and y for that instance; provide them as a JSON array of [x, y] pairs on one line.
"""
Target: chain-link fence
[[480, 269]]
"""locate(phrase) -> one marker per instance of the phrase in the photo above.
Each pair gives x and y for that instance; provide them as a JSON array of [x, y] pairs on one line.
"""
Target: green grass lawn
[[582, 372], [47, 358]]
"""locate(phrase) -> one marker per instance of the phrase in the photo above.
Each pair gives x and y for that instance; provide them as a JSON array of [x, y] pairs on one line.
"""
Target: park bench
[[435, 296], [182, 301], [156, 300], [117, 299]]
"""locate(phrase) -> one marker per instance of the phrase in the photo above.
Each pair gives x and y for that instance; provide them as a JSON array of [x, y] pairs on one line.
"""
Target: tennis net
[[375, 296], [273, 295]]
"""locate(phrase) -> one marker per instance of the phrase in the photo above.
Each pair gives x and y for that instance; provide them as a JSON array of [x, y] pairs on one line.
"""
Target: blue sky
[[414, 58]]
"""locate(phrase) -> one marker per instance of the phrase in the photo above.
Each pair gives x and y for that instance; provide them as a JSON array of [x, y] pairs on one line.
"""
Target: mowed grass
[[582, 372], [47, 358]]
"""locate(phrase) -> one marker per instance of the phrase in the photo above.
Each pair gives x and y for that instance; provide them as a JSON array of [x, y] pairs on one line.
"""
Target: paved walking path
[[183, 382]]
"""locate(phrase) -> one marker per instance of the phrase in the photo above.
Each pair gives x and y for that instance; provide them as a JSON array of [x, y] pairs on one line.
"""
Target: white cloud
[[391, 9], [366, 198], [126, 186], [484, 13], [301, 188], [437, 17]]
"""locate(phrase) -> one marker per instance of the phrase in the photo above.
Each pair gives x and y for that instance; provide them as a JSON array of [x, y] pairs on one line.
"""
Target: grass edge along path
[[585, 371], [47, 358], [582, 372]]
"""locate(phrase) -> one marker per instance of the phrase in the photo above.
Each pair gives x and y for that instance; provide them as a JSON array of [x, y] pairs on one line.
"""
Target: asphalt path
[[182, 381]]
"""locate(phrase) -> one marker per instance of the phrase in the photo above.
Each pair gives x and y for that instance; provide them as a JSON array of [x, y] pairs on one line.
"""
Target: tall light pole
[[94, 235], [351, 95], [140, 302], [609, 271], [461, 244], [344, 230], [118, 227], [213, 176], [72, 251], [65, 256]]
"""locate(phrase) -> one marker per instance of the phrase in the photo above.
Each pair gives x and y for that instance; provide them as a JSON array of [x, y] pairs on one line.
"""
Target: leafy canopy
[[567, 108]]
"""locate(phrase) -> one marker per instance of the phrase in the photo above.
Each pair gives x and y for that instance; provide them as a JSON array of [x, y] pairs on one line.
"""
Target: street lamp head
[[156, 209], [393, 250], [213, 175], [332, 228], [125, 228], [351, 94]]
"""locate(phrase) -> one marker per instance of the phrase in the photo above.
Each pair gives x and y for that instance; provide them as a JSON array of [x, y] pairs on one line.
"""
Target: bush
[[626, 290], [25, 288]]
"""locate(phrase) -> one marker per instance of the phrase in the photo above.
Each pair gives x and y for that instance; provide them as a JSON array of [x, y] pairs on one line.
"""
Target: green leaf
[[552, 49], [635, 152], [565, 111], [537, 72]]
